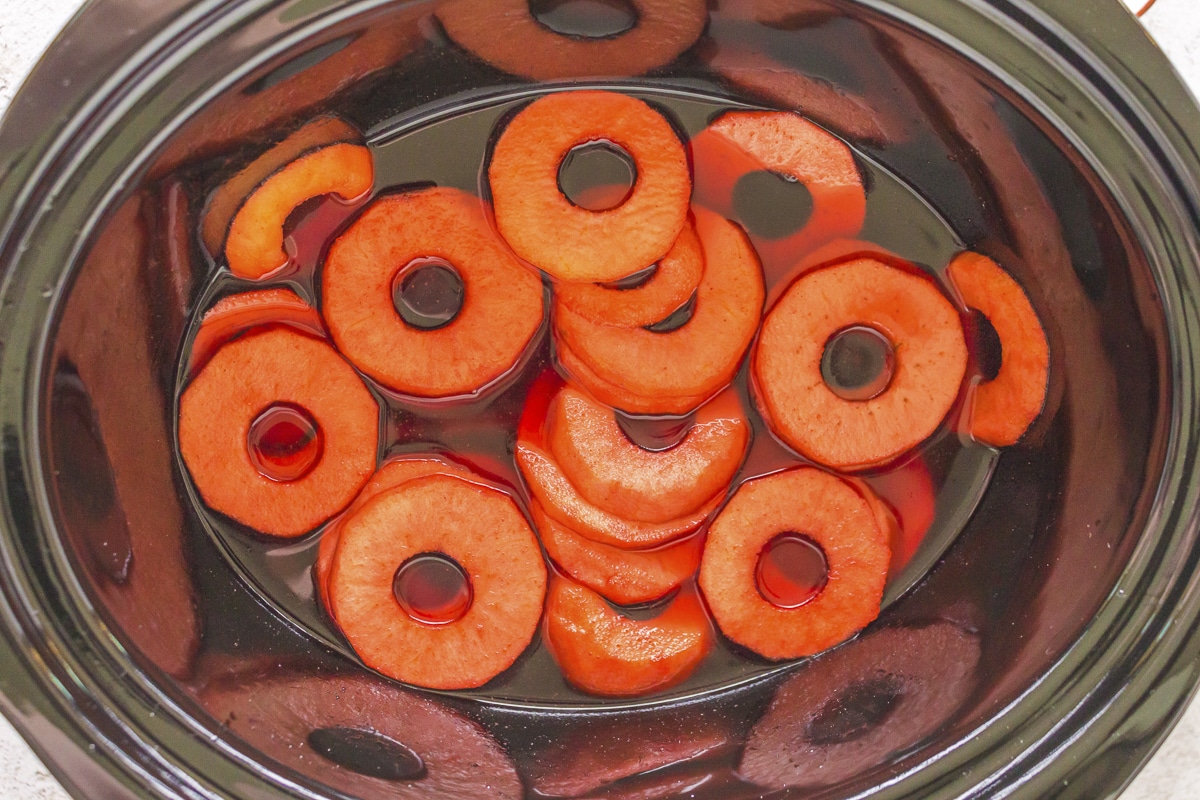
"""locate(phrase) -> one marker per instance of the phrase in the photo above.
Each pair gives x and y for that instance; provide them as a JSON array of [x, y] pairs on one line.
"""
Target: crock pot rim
[[1097, 40]]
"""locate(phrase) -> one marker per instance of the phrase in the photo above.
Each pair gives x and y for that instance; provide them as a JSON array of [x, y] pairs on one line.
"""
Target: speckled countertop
[[28, 26]]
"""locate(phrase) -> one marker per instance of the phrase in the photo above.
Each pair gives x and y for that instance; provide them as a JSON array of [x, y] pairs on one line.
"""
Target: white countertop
[[27, 27]]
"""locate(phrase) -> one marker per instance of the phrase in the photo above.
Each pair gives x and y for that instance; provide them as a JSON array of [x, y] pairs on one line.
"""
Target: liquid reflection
[[809, 56], [1056, 236], [113, 476], [356, 733], [854, 709], [329, 70], [576, 38], [590, 754]]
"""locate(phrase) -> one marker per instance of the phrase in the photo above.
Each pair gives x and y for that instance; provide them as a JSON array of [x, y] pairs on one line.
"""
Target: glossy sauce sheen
[[482, 434]]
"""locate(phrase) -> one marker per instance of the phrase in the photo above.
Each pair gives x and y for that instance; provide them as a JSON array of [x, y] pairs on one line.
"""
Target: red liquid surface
[[791, 571], [433, 588], [285, 442]]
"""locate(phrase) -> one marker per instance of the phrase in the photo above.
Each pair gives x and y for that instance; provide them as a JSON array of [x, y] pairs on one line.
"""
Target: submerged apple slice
[[603, 652]]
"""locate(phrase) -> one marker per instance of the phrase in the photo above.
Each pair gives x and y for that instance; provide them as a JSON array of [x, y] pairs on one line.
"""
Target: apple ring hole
[[644, 612], [428, 293], [677, 318], [771, 204], [989, 350], [858, 363], [585, 19], [368, 753], [855, 711], [635, 280], [433, 588], [598, 175], [285, 442], [792, 570], [654, 433]]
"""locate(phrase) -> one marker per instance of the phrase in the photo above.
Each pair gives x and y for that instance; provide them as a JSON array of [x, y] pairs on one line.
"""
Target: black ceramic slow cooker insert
[[1041, 649]]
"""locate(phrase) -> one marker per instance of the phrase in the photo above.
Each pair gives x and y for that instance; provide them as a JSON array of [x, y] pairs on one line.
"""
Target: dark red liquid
[[858, 363], [285, 442], [791, 571], [433, 588]]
